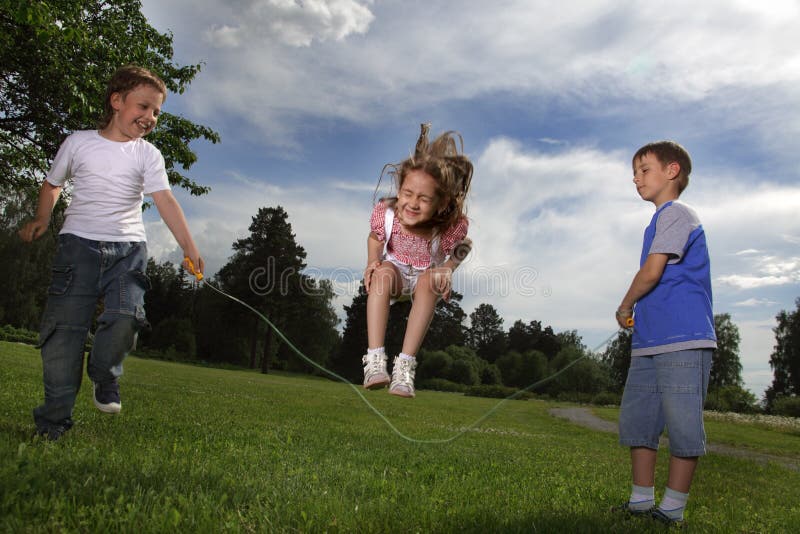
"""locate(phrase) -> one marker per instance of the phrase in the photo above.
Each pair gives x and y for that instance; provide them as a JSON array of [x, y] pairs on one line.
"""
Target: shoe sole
[[378, 384], [404, 394], [108, 408]]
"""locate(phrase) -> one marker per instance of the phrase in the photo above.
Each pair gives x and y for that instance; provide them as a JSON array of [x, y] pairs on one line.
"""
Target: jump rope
[[366, 401]]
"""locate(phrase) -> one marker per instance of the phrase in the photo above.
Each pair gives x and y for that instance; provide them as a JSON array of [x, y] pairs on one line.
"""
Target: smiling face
[[417, 199], [655, 182], [135, 113]]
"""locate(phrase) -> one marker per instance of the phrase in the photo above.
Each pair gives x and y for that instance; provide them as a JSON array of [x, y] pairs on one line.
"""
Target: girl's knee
[[384, 276]]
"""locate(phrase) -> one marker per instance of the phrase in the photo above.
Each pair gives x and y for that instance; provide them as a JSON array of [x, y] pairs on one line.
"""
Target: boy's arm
[[645, 280], [173, 217], [48, 195], [374, 253]]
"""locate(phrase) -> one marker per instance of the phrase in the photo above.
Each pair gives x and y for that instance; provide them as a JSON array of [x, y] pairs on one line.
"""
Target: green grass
[[208, 450]]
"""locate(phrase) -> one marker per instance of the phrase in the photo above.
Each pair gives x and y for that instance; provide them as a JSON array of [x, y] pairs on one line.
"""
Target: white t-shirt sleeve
[[61, 169], [154, 168]]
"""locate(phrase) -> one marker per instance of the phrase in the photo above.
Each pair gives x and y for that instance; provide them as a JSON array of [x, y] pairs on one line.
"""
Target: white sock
[[379, 350], [405, 356], [673, 503], [642, 498]]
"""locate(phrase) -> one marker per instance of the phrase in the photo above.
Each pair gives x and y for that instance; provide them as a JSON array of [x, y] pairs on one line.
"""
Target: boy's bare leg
[[419, 319], [385, 283], [643, 466], [681, 472]]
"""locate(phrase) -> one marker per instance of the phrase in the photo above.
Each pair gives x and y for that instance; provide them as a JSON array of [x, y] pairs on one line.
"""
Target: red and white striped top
[[409, 248]]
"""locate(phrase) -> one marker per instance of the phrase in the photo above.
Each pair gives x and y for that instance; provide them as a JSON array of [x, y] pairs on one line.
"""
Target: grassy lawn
[[208, 450]]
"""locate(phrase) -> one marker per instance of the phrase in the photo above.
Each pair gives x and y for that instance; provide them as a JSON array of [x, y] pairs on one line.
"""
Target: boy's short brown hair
[[124, 80], [668, 152]]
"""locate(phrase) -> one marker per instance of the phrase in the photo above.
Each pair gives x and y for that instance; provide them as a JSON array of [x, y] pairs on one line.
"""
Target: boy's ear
[[116, 99], [673, 169]]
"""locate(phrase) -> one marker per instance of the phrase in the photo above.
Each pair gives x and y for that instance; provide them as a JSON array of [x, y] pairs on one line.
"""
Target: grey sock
[[642, 498], [673, 503]]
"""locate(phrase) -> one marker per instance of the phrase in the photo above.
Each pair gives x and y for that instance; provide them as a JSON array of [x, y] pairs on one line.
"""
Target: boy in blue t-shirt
[[673, 336]]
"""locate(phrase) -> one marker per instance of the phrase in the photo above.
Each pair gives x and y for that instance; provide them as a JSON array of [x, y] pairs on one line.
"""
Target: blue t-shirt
[[676, 314]]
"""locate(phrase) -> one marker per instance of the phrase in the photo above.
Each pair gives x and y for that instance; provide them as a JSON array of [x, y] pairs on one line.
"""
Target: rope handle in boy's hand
[[628, 317], [197, 275]]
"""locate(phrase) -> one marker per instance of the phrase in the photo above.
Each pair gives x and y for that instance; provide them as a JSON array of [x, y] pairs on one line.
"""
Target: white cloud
[[260, 22], [755, 302], [271, 62]]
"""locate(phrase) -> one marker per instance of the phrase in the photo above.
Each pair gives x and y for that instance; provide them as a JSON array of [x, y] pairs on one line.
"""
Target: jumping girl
[[416, 241]]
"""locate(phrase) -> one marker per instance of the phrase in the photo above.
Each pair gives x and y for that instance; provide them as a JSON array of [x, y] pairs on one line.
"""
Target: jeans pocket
[[62, 278]]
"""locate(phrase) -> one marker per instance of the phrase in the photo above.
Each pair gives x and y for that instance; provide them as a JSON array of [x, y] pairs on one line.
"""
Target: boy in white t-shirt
[[102, 251]]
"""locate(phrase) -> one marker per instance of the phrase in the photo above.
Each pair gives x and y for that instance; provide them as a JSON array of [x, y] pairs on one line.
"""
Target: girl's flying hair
[[445, 161]]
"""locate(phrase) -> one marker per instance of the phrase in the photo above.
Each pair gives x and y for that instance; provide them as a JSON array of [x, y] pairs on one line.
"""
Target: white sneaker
[[403, 377], [375, 375]]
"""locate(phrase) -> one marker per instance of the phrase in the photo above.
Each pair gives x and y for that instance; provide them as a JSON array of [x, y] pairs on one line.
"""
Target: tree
[[486, 335], [785, 358], [617, 358], [24, 268], [265, 272], [524, 337], [726, 369], [447, 327], [55, 61]]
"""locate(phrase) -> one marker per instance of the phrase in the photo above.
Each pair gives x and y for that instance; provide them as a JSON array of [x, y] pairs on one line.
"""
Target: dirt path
[[584, 417]]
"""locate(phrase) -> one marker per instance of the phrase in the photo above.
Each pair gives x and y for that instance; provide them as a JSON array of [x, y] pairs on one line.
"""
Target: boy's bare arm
[[173, 217], [645, 280], [48, 195]]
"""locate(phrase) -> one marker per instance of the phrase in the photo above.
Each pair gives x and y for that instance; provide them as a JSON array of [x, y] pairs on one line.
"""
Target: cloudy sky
[[313, 97]]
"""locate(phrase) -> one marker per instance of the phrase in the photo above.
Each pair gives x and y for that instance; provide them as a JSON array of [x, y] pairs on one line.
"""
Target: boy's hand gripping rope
[[355, 388]]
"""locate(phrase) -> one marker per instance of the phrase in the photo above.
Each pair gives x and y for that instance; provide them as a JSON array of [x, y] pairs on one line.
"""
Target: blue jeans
[[666, 390], [84, 271]]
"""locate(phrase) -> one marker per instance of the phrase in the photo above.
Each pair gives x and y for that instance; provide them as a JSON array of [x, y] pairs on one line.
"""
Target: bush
[[18, 335], [731, 399], [464, 372], [491, 375], [440, 384], [607, 398], [497, 392], [786, 406], [575, 396], [433, 364]]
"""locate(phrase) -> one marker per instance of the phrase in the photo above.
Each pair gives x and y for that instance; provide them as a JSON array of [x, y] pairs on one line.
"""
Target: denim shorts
[[666, 390]]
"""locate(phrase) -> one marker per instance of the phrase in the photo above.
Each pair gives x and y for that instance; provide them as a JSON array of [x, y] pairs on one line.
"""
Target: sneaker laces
[[374, 363], [404, 371]]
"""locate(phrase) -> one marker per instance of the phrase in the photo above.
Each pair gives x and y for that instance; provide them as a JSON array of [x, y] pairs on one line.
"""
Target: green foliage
[[587, 377], [441, 384], [177, 334], [731, 399], [607, 398], [521, 370], [433, 364], [617, 360], [785, 358], [24, 267], [18, 335], [55, 61], [726, 369], [498, 392], [486, 333], [788, 406], [491, 376]]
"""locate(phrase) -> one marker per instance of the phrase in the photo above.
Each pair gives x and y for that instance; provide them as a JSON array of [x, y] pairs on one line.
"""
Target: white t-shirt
[[109, 181]]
